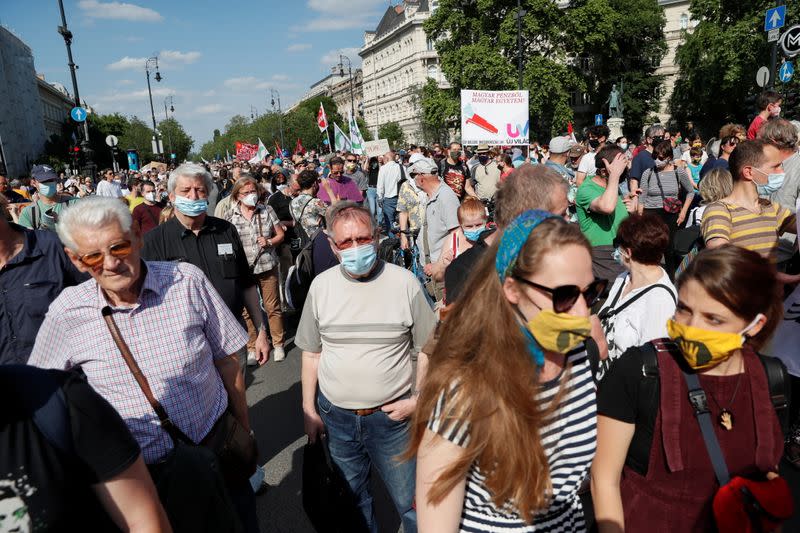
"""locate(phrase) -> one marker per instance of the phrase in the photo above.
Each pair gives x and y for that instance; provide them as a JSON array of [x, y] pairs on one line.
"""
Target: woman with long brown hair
[[653, 471], [504, 431]]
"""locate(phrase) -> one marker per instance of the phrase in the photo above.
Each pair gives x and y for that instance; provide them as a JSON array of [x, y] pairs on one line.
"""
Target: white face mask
[[250, 199], [623, 146], [150, 196]]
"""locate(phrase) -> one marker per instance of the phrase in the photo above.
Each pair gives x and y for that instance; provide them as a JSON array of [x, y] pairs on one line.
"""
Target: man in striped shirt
[[742, 218]]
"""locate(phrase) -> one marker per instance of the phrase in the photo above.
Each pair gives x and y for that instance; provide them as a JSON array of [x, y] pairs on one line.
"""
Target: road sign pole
[[773, 64]]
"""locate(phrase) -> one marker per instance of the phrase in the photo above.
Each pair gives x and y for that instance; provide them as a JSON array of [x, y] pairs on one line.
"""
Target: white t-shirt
[[687, 157], [643, 320], [587, 165], [695, 217]]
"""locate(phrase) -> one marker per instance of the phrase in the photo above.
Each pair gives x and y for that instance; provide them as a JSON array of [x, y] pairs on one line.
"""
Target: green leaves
[[618, 40], [392, 132]]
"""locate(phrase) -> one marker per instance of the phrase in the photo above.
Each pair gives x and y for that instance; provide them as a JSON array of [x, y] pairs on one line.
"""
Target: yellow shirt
[[133, 202]]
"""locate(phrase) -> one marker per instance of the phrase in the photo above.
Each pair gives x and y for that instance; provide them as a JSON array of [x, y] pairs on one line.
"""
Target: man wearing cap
[[486, 174], [441, 211], [43, 213], [410, 204], [559, 155]]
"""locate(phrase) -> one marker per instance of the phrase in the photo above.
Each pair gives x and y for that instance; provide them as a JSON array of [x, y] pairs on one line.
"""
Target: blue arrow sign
[[78, 114], [786, 72], [598, 120], [775, 18]]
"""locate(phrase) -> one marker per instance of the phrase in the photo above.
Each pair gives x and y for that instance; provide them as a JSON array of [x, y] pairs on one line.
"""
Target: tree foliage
[[719, 59], [299, 123], [581, 48], [392, 132]]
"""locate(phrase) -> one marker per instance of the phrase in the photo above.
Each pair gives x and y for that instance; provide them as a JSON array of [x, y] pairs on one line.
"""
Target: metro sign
[[790, 41]]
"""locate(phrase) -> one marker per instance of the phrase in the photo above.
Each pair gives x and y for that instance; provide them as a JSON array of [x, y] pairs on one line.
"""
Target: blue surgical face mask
[[618, 256], [191, 208], [359, 260], [48, 190], [774, 182], [473, 234]]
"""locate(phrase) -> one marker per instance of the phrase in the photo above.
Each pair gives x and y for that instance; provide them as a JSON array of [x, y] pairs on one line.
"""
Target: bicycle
[[410, 260]]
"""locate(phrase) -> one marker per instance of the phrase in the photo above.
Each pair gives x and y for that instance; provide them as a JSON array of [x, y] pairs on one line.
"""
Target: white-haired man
[[209, 243], [358, 350], [182, 335]]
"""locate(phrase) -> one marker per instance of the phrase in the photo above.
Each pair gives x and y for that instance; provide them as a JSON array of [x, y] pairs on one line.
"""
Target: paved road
[[274, 397]]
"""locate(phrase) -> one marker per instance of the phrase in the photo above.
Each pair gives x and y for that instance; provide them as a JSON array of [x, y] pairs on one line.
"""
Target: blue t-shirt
[[642, 161], [712, 164]]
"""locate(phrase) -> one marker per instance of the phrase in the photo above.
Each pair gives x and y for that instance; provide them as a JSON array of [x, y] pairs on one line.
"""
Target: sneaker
[[251, 359], [278, 354]]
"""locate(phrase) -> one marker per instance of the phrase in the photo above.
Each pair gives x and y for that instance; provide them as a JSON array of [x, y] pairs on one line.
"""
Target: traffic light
[[790, 102]]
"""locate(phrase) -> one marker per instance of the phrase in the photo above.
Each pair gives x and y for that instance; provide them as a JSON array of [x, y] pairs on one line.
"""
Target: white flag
[[356, 140], [262, 151], [342, 143]]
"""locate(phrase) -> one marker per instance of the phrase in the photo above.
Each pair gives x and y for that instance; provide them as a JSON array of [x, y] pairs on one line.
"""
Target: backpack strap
[[780, 391], [699, 401]]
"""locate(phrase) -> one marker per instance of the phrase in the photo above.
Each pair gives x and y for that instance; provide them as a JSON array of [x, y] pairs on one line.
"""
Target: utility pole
[[275, 94], [67, 35], [152, 62], [166, 117]]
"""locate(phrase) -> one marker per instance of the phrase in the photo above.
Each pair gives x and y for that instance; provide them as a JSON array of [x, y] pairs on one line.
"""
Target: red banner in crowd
[[298, 148], [245, 151]]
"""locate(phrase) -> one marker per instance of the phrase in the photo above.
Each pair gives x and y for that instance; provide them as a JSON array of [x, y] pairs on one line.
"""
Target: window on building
[[430, 45], [433, 71], [684, 21]]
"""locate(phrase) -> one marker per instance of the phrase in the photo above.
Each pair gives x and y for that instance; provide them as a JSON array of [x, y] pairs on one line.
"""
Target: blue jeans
[[389, 212], [372, 200], [359, 442]]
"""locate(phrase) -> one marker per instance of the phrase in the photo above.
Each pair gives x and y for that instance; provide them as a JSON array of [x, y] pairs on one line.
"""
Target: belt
[[371, 410]]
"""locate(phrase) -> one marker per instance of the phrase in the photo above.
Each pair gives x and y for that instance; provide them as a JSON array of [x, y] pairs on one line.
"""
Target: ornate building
[[397, 59], [679, 22], [347, 99]]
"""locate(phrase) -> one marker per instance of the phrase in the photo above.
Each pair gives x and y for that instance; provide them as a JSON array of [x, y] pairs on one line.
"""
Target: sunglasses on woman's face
[[119, 250], [565, 296]]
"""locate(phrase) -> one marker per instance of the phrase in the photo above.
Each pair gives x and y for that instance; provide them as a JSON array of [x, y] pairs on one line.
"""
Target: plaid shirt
[[176, 332], [261, 225]]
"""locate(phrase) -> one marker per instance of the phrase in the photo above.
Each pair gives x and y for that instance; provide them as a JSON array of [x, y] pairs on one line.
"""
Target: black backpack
[[301, 274]]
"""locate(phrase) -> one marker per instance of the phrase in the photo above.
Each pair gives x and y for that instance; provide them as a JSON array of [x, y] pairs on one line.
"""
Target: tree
[[582, 48], [718, 61], [175, 139], [392, 132], [138, 136]]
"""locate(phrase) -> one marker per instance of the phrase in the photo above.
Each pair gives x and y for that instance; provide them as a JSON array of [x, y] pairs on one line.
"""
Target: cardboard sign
[[376, 148]]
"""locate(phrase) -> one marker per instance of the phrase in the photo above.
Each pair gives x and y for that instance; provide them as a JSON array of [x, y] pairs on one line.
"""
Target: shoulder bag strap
[[697, 397], [613, 311], [658, 181], [141, 380]]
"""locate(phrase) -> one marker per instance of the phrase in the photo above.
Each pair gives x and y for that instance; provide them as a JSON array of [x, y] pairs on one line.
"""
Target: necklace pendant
[[725, 419]]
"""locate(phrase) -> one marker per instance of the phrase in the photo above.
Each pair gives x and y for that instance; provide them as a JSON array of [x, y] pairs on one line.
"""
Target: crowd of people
[[566, 337]]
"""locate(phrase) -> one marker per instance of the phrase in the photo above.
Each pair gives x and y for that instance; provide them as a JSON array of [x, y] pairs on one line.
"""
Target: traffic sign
[[775, 18], [773, 35], [762, 77], [786, 72], [78, 114], [112, 141], [790, 41], [598, 120]]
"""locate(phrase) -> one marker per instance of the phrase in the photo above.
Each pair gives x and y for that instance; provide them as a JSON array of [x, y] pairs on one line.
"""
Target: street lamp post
[[67, 35], [350, 72], [152, 62], [520, 13], [273, 95], [172, 109], [253, 112]]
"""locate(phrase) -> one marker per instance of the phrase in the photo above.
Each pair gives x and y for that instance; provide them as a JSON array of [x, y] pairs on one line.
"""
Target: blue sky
[[217, 57]]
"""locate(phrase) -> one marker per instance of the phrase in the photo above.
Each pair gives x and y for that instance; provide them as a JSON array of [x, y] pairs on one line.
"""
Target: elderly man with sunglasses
[[179, 331], [358, 350]]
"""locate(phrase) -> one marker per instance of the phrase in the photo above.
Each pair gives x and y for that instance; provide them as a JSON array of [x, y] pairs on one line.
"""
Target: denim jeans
[[372, 200], [359, 442], [389, 212]]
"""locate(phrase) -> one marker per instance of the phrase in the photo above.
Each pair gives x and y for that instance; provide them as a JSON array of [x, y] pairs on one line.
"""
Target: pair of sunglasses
[[565, 296], [119, 250]]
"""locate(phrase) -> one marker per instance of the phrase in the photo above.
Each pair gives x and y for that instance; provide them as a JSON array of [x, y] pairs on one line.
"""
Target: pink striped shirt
[[176, 332]]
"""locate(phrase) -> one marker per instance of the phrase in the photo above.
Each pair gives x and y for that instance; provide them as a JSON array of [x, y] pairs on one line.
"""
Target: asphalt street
[[274, 396]]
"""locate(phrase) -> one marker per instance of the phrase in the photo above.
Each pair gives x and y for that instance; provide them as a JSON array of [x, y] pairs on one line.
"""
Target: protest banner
[[494, 117], [376, 148]]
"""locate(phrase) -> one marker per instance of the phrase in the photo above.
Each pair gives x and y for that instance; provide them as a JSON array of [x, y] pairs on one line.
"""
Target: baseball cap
[[42, 173], [416, 156], [560, 145], [424, 166]]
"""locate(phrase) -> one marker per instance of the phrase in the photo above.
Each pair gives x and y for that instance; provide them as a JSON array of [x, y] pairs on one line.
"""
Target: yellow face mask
[[704, 348], [559, 332]]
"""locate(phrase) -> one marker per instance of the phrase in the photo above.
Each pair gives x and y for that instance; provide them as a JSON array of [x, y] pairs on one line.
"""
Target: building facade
[[679, 22], [56, 105], [349, 96], [22, 133], [397, 59]]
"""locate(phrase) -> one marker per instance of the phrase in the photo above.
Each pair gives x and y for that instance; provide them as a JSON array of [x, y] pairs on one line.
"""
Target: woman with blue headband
[[504, 432]]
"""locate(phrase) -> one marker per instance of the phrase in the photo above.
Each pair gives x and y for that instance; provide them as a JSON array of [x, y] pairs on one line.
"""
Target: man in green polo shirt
[[601, 209]]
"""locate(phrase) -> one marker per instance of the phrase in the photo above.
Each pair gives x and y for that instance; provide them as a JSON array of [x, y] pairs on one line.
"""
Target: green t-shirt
[[41, 216], [600, 229]]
